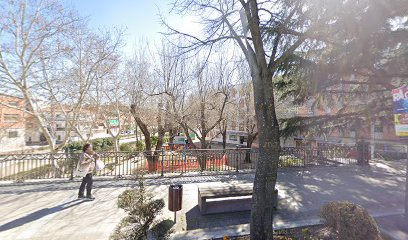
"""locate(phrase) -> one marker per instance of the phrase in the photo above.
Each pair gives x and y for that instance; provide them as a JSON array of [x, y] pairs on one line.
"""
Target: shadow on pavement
[[395, 226], [39, 214], [195, 220], [22, 188]]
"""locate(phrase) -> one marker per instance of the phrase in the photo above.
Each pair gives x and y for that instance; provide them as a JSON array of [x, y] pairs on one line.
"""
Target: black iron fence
[[390, 154], [62, 165]]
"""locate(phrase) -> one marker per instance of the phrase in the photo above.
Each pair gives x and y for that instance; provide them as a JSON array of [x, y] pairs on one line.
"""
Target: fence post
[[162, 165], [236, 150], [298, 153], [72, 163], [184, 159]]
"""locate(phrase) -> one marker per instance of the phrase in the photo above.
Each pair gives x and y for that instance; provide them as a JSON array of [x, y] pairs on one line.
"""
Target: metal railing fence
[[62, 165]]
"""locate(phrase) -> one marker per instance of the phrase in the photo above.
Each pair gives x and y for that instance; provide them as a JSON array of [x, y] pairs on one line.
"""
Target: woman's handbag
[[99, 165]]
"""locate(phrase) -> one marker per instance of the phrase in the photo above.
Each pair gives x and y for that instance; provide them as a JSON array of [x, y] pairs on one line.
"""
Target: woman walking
[[87, 163]]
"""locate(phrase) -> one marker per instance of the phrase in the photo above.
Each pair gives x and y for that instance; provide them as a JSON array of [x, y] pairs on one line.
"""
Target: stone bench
[[226, 198]]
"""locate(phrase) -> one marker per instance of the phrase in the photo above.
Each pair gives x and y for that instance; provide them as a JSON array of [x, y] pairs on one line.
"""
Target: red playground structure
[[183, 163]]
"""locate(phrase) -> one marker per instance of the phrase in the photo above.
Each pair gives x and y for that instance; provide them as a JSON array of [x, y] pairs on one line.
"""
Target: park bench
[[226, 198]]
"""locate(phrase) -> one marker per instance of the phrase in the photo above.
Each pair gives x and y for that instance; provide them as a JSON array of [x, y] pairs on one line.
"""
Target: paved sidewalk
[[49, 210], [395, 226]]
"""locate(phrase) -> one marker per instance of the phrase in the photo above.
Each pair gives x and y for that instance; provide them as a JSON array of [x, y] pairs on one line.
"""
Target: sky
[[139, 17]]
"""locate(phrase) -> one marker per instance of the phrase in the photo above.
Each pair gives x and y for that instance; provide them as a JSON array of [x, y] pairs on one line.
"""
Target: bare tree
[[28, 43], [246, 105], [172, 87], [222, 23], [95, 59], [138, 74], [51, 61], [225, 74], [208, 104], [145, 106], [114, 107]]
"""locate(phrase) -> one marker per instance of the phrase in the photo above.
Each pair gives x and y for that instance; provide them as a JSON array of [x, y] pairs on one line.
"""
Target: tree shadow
[[39, 214], [195, 220], [21, 188]]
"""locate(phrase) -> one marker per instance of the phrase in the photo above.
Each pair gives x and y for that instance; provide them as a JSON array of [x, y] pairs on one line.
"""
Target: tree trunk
[[268, 128], [224, 139], [187, 133], [137, 137], [171, 135], [148, 143], [266, 170], [160, 134], [203, 142], [145, 130], [202, 156]]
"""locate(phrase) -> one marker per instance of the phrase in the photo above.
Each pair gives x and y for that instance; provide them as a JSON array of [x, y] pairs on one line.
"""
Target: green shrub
[[140, 146], [75, 146], [107, 144], [351, 221], [142, 209], [127, 147], [163, 229], [97, 144], [154, 140]]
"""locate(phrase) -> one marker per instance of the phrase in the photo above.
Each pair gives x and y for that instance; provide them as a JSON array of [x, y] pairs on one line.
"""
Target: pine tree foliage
[[361, 55]]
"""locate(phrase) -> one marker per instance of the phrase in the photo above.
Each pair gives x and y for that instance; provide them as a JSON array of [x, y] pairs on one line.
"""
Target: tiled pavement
[[49, 210]]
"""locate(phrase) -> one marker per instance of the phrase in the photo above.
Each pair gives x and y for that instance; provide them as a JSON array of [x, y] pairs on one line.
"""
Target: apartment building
[[87, 126], [240, 118], [381, 134], [12, 123]]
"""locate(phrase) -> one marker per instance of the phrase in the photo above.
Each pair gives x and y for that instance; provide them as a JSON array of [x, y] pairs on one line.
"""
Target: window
[[233, 125], [378, 128], [241, 127], [233, 137], [14, 104], [11, 117], [12, 134]]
